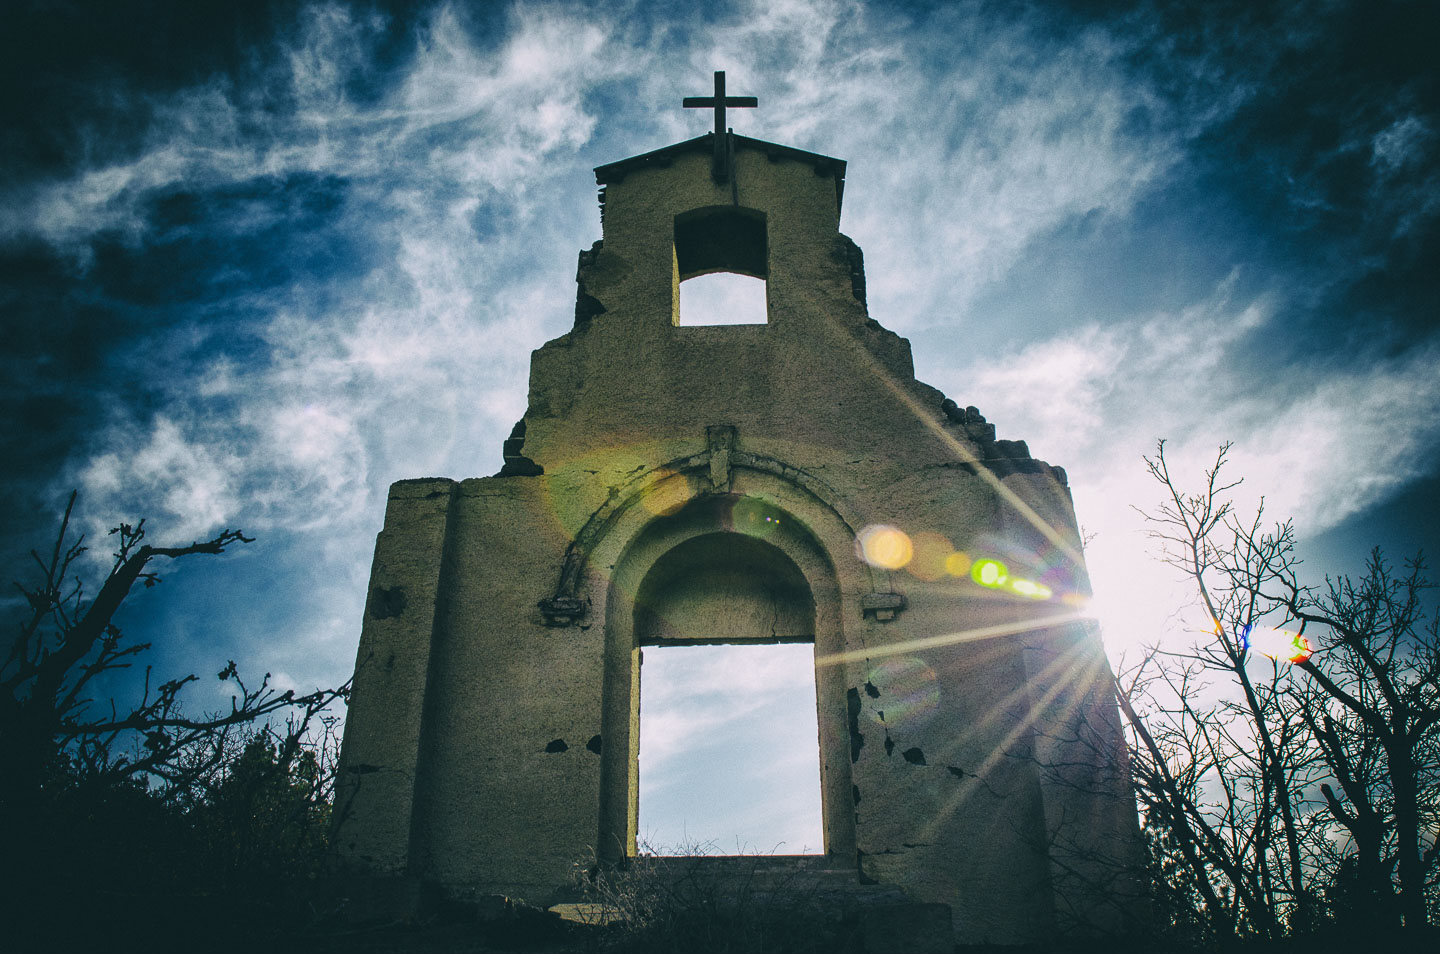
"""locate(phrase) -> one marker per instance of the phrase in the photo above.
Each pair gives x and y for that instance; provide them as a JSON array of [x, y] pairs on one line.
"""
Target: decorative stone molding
[[562, 610], [882, 607], [720, 439], [577, 554]]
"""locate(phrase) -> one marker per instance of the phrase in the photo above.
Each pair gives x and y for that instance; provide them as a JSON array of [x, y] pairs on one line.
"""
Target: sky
[[258, 261]]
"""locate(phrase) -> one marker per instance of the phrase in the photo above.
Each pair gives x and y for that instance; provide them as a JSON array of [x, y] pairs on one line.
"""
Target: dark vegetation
[[1285, 805], [658, 904], [139, 823]]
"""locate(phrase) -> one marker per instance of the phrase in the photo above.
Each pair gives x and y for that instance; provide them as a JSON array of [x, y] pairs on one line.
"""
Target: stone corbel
[[882, 607], [720, 441], [562, 610]]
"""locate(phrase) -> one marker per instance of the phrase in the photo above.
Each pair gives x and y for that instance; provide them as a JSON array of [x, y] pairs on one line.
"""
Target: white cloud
[[1405, 191], [1022, 138], [165, 470], [729, 748], [1400, 144], [406, 370], [692, 694], [1349, 440]]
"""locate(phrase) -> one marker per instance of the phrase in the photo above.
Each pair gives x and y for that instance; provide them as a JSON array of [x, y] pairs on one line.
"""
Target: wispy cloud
[[696, 693], [457, 194]]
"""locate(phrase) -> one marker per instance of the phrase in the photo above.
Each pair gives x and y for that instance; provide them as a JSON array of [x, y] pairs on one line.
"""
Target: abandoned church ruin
[[789, 480]]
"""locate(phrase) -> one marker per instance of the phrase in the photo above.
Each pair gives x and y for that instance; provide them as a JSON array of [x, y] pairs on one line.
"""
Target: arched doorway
[[723, 569], [728, 744]]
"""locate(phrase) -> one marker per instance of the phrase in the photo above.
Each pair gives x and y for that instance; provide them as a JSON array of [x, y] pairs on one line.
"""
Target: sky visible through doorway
[[729, 750]]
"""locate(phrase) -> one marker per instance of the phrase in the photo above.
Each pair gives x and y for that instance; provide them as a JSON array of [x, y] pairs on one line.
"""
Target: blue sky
[[258, 261]]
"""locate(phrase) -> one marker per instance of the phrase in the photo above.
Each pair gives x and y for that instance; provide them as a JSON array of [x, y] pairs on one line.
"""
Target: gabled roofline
[[660, 158]]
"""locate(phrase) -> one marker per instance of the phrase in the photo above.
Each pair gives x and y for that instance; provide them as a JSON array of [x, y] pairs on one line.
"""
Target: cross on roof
[[720, 164], [719, 101]]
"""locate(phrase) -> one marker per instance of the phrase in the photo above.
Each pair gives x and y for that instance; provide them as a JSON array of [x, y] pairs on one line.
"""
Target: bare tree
[[66, 641], [1237, 755], [1373, 711]]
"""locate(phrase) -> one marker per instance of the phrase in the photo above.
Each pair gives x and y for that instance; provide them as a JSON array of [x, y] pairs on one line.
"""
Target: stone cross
[[720, 165]]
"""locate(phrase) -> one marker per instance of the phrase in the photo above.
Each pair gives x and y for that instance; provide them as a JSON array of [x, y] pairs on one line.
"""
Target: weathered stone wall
[[494, 726]]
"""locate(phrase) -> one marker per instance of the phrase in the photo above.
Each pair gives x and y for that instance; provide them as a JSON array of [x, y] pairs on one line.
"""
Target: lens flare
[[885, 546], [995, 575], [901, 693], [932, 550], [1278, 644], [958, 564], [989, 573], [1035, 591], [754, 517]]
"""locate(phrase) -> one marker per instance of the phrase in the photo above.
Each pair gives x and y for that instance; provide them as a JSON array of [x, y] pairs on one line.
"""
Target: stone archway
[[776, 583], [730, 603], [724, 587]]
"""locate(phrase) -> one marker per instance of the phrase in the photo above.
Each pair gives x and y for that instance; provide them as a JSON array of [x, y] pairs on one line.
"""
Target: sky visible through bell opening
[[258, 261], [723, 298]]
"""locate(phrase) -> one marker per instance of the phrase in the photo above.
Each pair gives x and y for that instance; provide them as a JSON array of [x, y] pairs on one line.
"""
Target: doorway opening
[[729, 759], [724, 574]]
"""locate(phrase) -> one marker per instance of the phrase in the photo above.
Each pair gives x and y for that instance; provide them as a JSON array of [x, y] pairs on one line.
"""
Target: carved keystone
[[882, 606], [562, 610], [721, 440]]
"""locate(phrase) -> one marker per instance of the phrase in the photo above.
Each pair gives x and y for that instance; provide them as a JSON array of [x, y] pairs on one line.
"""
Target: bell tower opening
[[723, 298], [721, 266]]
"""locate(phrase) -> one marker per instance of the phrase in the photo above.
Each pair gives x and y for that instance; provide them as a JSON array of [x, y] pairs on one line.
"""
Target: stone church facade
[[736, 484]]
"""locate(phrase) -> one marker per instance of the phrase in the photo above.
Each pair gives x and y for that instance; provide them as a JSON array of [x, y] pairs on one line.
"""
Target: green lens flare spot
[[991, 573]]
